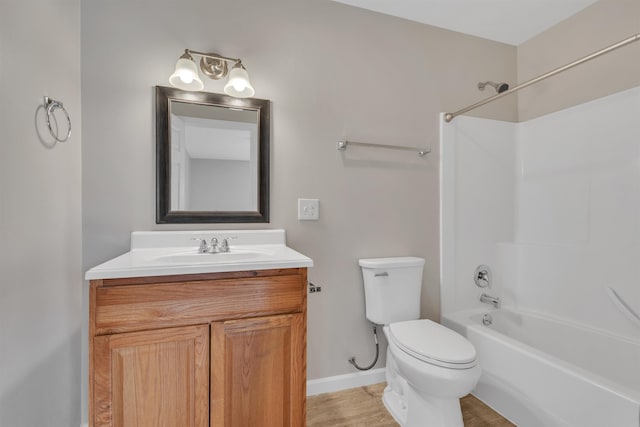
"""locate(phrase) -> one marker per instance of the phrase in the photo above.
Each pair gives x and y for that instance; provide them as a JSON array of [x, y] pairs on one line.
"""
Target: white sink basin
[[163, 253], [236, 255]]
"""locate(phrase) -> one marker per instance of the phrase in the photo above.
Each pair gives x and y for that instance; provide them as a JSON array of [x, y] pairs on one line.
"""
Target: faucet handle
[[224, 246], [203, 248], [482, 276]]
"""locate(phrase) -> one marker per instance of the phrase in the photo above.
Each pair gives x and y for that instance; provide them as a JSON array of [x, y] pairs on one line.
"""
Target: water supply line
[[366, 368]]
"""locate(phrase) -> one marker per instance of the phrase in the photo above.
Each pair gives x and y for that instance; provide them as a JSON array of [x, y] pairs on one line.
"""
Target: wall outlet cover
[[308, 209]]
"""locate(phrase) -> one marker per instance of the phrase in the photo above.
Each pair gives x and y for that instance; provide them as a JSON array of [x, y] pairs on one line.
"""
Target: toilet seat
[[433, 343]]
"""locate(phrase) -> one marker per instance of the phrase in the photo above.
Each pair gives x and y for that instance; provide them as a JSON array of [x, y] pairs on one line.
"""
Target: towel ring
[[50, 105]]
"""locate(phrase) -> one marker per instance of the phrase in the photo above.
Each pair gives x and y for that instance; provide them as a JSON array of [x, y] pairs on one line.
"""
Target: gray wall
[[328, 71], [599, 25], [332, 72], [40, 216]]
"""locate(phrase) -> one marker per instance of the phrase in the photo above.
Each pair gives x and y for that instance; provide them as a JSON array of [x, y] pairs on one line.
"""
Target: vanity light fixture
[[214, 66]]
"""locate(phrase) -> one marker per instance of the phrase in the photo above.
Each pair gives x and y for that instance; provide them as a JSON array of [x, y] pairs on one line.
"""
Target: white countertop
[[163, 253]]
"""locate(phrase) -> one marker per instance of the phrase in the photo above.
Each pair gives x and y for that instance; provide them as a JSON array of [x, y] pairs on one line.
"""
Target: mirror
[[212, 157]]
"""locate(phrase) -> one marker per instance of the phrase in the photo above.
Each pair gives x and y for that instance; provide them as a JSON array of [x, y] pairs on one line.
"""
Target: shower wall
[[573, 227], [578, 212], [478, 185]]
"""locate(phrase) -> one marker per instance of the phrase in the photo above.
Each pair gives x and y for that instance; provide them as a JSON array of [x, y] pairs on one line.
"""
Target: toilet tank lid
[[394, 262]]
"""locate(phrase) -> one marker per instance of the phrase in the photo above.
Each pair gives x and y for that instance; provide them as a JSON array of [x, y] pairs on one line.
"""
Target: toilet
[[429, 367]]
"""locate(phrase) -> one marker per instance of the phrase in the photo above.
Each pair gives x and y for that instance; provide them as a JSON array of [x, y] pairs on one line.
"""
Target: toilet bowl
[[431, 373], [429, 367]]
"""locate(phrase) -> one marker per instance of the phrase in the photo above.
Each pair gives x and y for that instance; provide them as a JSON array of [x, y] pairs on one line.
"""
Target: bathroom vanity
[[181, 338]]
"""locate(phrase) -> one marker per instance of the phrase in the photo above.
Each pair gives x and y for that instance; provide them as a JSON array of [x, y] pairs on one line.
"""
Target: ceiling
[[506, 21]]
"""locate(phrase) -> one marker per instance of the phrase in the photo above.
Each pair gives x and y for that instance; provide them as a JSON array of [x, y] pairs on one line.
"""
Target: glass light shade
[[239, 85], [186, 75]]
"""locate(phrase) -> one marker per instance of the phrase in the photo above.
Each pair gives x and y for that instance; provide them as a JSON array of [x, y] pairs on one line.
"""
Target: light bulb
[[186, 74], [186, 77], [238, 84]]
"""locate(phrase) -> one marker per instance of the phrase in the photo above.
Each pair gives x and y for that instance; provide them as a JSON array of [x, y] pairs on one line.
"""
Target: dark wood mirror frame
[[164, 214]]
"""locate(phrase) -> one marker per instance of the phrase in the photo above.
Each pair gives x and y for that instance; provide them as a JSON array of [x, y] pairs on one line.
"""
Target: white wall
[[575, 228], [40, 216]]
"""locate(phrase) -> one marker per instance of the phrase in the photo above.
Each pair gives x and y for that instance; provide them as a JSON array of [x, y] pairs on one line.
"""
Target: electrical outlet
[[313, 288], [308, 209]]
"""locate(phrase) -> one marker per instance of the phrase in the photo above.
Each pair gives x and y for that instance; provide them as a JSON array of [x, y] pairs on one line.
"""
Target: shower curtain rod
[[450, 116]]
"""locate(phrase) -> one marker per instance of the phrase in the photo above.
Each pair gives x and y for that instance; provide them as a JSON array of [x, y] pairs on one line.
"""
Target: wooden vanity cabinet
[[218, 349], [157, 377]]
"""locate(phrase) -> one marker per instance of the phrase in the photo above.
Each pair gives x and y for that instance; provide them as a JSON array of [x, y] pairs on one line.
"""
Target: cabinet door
[[156, 378], [258, 372]]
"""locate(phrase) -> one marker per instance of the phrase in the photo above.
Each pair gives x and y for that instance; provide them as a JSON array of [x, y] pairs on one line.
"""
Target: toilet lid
[[433, 343]]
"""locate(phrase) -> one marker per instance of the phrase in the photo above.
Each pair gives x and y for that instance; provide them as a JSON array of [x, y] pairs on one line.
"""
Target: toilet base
[[414, 410], [395, 405], [395, 394]]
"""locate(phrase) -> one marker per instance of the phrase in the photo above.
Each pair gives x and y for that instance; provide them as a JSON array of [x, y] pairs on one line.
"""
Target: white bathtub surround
[[543, 371], [578, 202], [551, 205], [477, 209]]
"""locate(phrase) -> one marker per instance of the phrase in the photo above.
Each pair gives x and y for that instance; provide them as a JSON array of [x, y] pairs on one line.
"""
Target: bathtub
[[541, 371]]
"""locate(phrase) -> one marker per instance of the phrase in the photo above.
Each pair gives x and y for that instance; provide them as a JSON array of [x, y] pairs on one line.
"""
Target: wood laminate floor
[[362, 406]]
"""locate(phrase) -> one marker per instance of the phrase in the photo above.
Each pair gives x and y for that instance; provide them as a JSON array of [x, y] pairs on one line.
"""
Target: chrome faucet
[[214, 247], [494, 301], [218, 248]]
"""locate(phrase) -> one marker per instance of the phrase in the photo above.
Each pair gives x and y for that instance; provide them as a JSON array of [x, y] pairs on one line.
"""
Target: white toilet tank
[[392, 288]]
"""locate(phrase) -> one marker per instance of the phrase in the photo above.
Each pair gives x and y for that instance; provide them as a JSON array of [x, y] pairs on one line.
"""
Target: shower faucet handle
[[482, 276]]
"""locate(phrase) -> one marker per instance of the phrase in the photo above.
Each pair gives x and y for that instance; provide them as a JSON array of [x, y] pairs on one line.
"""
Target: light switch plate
[[308, 209]]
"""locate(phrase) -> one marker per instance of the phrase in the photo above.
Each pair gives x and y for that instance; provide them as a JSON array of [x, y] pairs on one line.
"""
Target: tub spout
[[494, 301]]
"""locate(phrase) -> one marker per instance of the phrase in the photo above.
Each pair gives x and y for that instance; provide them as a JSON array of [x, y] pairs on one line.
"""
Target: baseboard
[[343, 382]]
